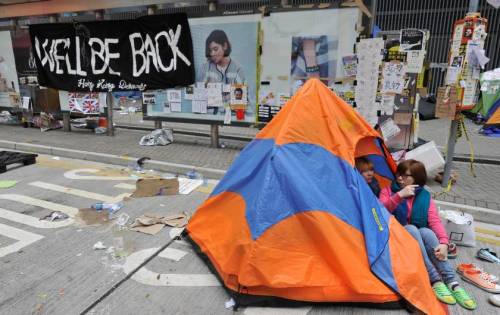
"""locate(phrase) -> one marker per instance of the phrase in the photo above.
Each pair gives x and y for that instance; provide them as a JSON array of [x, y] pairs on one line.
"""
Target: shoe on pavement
[[463, 298], [495, 300], [477, 278], [462, 267], [488, 255], [443, 294]]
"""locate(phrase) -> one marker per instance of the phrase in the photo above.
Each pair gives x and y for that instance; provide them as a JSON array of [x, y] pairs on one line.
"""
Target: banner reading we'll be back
[[151, 52]]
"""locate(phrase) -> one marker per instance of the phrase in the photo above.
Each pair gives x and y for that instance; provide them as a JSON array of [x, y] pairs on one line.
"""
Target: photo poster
[[313, 57], [127, 99], [220, 69], [336, 34], [8, 73], [82, 102]]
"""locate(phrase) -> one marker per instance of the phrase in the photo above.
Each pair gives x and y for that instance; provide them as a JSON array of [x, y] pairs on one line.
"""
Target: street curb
[[189, 133], [479, 213], [479, 159], [112, 159]]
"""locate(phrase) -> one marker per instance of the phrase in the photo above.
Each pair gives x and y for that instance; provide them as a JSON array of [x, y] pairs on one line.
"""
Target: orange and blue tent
[[293, 219]]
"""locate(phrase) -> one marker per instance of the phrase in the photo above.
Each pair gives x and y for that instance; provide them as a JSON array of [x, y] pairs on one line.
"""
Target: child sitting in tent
[[365, 167], [413, 207]]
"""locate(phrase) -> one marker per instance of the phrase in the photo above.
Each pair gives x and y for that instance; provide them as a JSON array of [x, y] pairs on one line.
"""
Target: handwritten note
[[393, 77]]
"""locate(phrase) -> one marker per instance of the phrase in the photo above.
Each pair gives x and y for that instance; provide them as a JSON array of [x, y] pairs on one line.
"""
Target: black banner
[[151, 52]]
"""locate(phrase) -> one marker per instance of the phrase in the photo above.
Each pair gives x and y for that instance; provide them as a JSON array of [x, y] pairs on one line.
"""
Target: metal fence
[[438, 17]]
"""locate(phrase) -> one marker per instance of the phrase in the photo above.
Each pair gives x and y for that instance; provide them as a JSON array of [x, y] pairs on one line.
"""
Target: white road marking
[[148, 277], [125, 186], [32, 221], [71, 211], [172, 254], [73, 174], [176, 232], [277, 310], [23, 239], [80, 193]]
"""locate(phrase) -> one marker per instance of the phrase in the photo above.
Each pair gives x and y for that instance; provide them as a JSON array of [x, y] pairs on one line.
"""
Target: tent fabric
[[294, 219]]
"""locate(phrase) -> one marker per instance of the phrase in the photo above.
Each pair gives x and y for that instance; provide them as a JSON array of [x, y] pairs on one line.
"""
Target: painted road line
[[32, 221], [125, 186], [488, 240], [73, 174], [487, 231], [148, 277], [277, 310], [71, 211], [80, 193], [172, 254], [23, 239]]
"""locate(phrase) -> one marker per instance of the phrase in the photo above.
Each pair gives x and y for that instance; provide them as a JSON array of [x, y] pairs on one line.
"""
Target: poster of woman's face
[[227, 53]]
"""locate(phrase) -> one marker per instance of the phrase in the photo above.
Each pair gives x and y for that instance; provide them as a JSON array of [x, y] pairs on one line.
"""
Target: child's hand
[[441, 251], [408, 191]]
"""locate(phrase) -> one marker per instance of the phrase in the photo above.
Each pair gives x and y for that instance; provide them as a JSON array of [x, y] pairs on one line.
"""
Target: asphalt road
[[52, 268]]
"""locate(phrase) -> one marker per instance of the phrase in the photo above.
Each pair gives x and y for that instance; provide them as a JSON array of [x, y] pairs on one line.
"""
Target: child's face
[[368, 175]]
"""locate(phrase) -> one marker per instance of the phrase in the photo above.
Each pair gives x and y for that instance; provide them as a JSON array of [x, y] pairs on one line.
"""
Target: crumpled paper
[[151, 223]]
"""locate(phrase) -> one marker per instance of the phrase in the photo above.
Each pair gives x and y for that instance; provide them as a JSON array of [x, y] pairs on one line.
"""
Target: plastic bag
[[158, 137], [459, 226]]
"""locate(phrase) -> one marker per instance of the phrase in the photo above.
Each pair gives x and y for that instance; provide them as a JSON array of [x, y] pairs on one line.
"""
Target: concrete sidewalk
[[189, 152]]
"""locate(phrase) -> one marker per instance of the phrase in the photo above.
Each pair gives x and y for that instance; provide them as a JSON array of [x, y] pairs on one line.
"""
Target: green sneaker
[[463, 298], [443, 293]]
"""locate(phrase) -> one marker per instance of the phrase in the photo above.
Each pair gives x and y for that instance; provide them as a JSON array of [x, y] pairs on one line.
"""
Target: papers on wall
[[214, 95], [175, 107], [477, 56], [452, 74], [238, 94], [26, 102], [457, 38], [227, 116], [199, 107], [350, 65], [412, 40], [415, 61], [393, 77], [469, 96], [369, 54], [226, 88], [388, 104], [200, 97], [389, 129], [174, 100], [174, 96]]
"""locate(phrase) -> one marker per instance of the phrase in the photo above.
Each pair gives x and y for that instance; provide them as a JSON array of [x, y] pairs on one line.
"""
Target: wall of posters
[[225, 59]]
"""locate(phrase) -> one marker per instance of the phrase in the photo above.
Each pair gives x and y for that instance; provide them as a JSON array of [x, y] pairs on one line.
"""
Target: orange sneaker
[[478, 279], [462, 267]]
